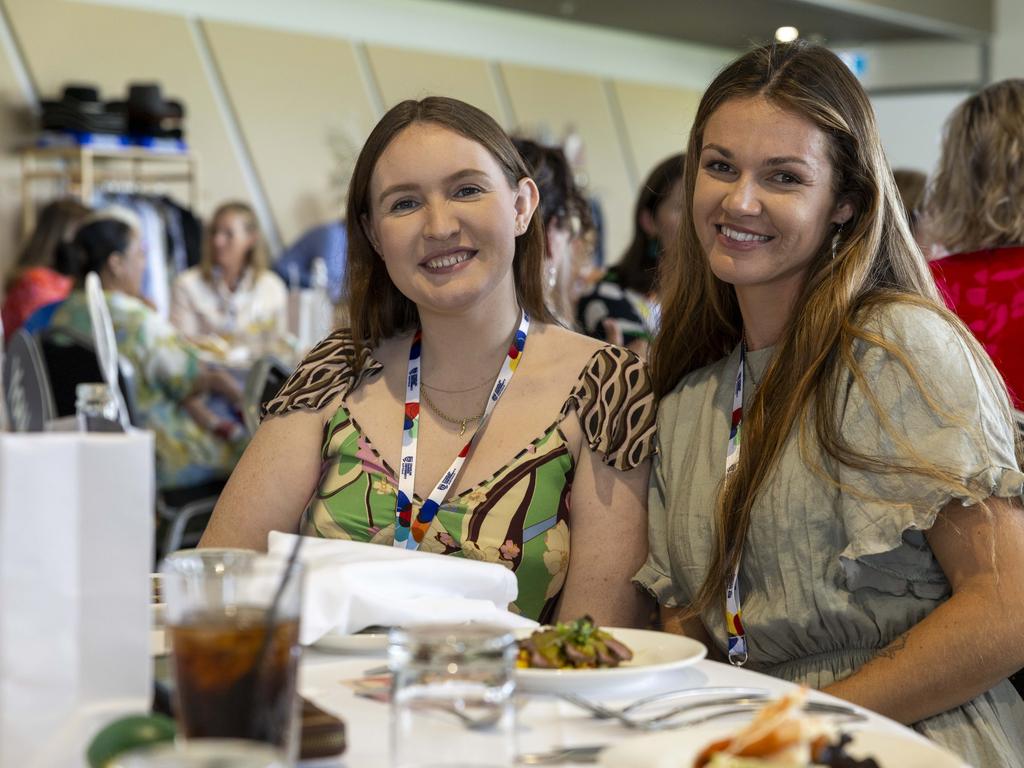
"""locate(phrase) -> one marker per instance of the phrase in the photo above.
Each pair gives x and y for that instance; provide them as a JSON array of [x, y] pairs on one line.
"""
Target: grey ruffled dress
[[829, 578]]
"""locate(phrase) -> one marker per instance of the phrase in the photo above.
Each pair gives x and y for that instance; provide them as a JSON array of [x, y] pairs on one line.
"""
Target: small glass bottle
[[96, 409]]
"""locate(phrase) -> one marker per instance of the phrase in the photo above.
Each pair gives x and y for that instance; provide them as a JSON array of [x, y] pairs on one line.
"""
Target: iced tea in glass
[[235, 666]]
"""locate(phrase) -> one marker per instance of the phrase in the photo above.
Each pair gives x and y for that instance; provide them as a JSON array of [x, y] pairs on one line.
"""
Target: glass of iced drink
[[233, 622]]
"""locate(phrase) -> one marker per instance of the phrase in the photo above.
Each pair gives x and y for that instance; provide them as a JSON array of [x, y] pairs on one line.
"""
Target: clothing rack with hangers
[[84, 170]]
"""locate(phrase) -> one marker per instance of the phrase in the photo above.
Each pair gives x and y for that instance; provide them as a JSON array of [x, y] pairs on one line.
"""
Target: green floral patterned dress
[[519, 517], [166, 367]]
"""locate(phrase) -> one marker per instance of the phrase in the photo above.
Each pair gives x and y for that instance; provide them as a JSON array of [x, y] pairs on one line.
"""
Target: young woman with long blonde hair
[[866, 535]]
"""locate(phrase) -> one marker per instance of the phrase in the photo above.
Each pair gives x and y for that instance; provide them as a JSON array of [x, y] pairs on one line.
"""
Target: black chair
[[27, 389], [70, 358], [264, 381]]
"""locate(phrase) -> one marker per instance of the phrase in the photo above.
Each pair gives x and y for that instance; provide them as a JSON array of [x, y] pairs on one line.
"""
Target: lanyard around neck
[[404, 524], [737, 638]]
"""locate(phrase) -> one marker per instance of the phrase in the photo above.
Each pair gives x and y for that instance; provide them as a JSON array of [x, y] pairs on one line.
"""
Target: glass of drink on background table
[[234, 656]]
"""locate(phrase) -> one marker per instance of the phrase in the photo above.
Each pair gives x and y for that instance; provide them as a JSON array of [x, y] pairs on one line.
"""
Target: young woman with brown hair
[[452, 354], [836, 500]]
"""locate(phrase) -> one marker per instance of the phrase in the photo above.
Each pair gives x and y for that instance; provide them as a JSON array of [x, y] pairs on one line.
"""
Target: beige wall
[[657, 120], [303, 112], [404, 74]]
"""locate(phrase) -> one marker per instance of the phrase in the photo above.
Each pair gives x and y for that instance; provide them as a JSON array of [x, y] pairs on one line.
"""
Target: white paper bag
[[76, 545]]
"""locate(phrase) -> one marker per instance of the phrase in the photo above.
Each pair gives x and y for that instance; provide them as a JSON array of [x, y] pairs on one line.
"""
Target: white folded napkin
[[352, 585]]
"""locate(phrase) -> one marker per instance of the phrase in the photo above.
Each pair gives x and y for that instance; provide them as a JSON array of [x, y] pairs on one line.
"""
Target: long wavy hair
[[377, 309], [877, 263], [975, 198], [638, 267]]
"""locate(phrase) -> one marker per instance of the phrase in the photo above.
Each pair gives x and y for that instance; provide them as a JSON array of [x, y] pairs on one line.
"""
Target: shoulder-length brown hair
[[56, 224], [377, 309], [258, 258], [876, 262], [975, 201]]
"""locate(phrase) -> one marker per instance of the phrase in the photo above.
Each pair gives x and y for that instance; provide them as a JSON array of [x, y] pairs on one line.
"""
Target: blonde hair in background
[[877, 263], [975, 201], [258, 258]]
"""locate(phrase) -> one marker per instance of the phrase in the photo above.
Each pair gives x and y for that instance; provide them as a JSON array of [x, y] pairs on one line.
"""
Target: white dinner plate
[[359, 643], [679, 749], [654, 653]]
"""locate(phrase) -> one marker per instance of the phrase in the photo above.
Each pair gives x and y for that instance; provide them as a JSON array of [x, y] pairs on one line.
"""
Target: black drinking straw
[[268, 631]]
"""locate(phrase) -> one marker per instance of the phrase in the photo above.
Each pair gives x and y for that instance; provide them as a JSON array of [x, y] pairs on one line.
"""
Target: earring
[[551, 275], [835, 241]]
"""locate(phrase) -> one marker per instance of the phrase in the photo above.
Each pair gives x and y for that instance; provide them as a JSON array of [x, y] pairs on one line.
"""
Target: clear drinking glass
[[96, 408], [213, 753], [234, 661], [452, 697]]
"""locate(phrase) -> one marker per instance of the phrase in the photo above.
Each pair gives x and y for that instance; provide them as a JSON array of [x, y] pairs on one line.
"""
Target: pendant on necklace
[[462, 430]]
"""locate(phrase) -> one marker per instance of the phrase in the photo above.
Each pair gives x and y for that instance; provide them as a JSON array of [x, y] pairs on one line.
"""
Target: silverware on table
[[733, 703], [562, 755], [602, 711]]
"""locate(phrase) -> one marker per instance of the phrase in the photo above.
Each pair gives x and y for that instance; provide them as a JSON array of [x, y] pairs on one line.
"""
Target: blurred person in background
[[623, 307], [328, 242], [232, 297], [565, 214], [32, 282], [194, 445], [975, 213], [911, 185]]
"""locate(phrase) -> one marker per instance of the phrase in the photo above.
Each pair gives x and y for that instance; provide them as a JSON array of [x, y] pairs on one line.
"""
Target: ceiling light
[[787, 34]]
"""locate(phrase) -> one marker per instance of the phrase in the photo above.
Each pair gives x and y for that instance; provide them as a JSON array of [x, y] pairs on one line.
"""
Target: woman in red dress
[[976, 214]]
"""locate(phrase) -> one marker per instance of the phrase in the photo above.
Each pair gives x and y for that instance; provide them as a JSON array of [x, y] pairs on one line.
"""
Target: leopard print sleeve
[[330, 369], [615, 403]]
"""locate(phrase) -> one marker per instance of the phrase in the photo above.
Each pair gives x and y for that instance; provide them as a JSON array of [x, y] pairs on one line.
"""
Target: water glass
[[234, 660], [96, 408], [452, 697]]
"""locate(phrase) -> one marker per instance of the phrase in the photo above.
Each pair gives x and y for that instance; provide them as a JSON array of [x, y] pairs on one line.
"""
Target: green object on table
[[128, 733]]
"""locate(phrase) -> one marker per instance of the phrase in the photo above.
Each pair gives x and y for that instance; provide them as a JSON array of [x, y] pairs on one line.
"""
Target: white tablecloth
[[545, 723]]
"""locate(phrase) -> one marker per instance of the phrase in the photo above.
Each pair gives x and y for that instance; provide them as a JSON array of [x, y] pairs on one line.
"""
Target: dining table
[[546, 722]]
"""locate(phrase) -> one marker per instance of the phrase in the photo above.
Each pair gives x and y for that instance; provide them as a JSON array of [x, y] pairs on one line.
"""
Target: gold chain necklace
[[750, 368], [451, 419]]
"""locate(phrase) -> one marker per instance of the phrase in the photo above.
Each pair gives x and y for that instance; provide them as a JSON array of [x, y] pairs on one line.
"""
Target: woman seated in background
[[32, 282], [232, 295], [623, 308], [836, 497], [975, 214], [193, 445], [564, 213], [448, 322]]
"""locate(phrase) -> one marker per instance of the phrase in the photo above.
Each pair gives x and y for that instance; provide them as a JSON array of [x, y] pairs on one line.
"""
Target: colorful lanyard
[[733, 607], [410, 437]]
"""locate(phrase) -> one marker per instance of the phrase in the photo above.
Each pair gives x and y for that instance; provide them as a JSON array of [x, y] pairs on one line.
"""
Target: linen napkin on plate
[[353, 585]]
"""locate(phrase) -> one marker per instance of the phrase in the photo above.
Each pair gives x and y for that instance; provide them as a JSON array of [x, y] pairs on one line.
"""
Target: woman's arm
[[970, 642], [608, 518], [270, 487], [674, 620]]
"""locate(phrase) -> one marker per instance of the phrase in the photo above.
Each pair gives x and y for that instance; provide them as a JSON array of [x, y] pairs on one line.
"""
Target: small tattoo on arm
[[893, 649]]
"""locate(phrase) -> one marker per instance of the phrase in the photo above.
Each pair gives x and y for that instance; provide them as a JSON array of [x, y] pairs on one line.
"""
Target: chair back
[[27, 385], [70, 357], [263, 382]]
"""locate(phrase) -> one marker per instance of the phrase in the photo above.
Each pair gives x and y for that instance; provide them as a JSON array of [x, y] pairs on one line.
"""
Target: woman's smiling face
[[444, 218], [764, 200]]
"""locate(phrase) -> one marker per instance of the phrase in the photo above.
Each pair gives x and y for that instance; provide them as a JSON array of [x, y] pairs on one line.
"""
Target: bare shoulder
[[565, 349]]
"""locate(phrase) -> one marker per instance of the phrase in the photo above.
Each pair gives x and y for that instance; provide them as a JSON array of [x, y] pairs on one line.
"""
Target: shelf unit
[[84, 169]]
